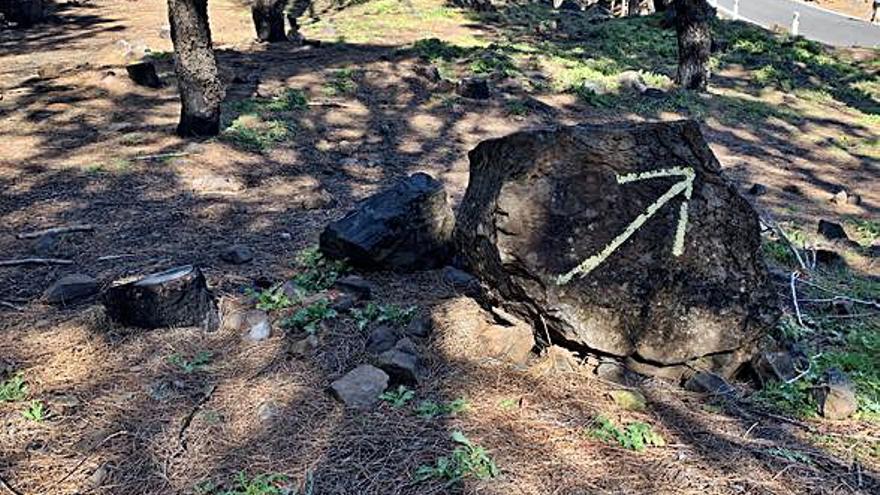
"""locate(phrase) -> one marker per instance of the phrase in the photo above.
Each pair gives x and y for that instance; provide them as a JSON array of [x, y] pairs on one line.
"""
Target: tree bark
[[268, 18], [694, 43], [25, 13], [201, 91]]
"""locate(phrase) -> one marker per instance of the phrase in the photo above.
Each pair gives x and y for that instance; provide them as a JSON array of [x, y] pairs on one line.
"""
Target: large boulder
[[620, 239], [407, 227]]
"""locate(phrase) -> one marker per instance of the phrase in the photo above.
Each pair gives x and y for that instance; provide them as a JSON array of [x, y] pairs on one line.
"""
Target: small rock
[[854, 199], [836, 396], [758, 190], [831, 231], [843, 307], [343, 302], [473, 87], [828, 257], [381, 339], [672, 373], [7, 368], [64, 404], [258, 325], [840, 197], [71, 287], [285, 236], [429, 72], [792, 189], [654, 93], [356, 286], [361, 387], [305, 346], [614, 372], [631, 80], [460, 280], [629, 400], [420, 327], [45, 244], [509, 343], [99, 476], [557, 359], [237, 254], [709, 383], [406, 345], [268, 411], [402, 363], [144, 74]]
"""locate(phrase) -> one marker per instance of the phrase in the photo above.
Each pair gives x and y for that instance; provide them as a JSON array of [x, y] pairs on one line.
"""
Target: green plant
[[197, 363], [317, 271], [790, 455], [253, 133], [508, 404], [468, 459], [635, 436], [429, 409], [264, 484], [36, 411], [517, 107], [398, 397], [289, 100], [310, 317], [433, 49], [383, 313], [13, 389], [793, 399], [342, 82], [271, 299]]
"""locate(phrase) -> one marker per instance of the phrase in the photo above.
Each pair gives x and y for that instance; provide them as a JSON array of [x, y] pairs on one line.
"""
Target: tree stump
[[178, 297], [622, 240]]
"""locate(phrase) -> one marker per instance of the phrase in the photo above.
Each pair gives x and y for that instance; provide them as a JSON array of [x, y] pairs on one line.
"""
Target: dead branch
[[161, 156], [35, 261], [57, 230]]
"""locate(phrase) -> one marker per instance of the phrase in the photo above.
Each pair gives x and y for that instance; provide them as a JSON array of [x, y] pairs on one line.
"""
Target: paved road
[[816, 24]]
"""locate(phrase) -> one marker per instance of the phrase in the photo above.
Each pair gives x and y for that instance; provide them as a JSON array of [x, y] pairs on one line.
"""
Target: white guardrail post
[[796, 24], [735, 10]]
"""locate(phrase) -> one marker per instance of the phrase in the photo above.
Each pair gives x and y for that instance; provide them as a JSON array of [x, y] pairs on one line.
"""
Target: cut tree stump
[[178, 297]]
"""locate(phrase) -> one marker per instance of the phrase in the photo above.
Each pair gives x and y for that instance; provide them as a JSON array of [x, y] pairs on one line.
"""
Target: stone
[[45, 245], [361, 387], [420, 327], [507, 343], [654, 93], [356, 286], [629, 400], [268, 411], [709, 383], [829, 258], [773, 366], [758, 190], [557, 359], [237, 254], [381, 339], [614, 372], [836, 396], [541, 223], [792, 189], [840, 197], [831, 230], [632, 80], [475, 88], [404, 228], [854, 199], [304, 346], [402, 363], [70, 288], [461, 280], [144, 74], [429, 72], [343, 302], [99, 476], [257, 324]]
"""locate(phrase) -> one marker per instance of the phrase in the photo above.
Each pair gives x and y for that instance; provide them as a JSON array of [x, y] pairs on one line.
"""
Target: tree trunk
[[694, 43], [200, 88], [25, 13], [268, 18]]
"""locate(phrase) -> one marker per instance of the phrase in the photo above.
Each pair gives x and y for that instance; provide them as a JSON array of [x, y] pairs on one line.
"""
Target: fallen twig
[[161, 155], [840, 297], [10, 305], [57, 230], [35, 261], [115, 257]]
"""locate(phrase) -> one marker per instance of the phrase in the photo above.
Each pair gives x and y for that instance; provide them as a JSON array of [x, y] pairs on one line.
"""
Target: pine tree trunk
[[268, 18], [694, 43], [201, 91]]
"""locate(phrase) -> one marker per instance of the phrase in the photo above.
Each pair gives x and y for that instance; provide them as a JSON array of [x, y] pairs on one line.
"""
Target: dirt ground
[[82, 144], [861, 9]]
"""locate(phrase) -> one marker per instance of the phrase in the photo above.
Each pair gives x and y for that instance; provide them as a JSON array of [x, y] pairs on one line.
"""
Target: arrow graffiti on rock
[[685, 186]]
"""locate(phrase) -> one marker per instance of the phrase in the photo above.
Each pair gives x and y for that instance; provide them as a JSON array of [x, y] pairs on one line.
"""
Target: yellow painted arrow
[[686, 186]]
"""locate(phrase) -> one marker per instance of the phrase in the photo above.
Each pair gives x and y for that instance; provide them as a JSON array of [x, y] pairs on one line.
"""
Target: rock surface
[[407, 227], [402, 363], [836, 396], [540, 205], [70, 288], [361, 387], [512, 343]]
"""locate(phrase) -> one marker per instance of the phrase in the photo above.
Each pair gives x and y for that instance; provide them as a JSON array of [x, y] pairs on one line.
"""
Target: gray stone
[[836, 396], [356, 286], [758, 190], [70, 288], [402, 363], [45, 244], [461, 280], [831, 231], [614, 372], [475, 88], [361, 387], [237, 254], [304, 346], [381, 339], [419, 327], [854, 199], [257, 324], [632, 80], [709, 383], [541, 225], [405, 228]]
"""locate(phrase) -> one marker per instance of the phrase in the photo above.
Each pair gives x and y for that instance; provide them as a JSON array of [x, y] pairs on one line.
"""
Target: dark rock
[[144, 74], [237, 254], [831, 231], [475, 88], [654, 93], [709, 383], [429, 72], [828, 257], [419, 327], [405, 228], [178, 297], [70, 288], [361, 387], [836, 396], [343, 302], [356, 286], [792, 189], [381, 339], [402, 363], [773, 366], [544, 210], [45, 244], [843, 307], [758, 190], [461, 280]]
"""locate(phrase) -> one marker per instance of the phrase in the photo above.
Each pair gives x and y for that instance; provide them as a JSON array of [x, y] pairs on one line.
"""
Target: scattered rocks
[[709, 383], [843, 197], [361, 387], [475, 88], [381, 339], [237, 254], [836, 396], [402, 363], [831, 230], [407, 227], [144, 74], [420, 327], [356, 286], [543, 208], [70, 288], [629, 400], [758, 190]]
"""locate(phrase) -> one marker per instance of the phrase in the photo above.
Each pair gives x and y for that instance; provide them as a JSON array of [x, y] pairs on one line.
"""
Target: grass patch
[[634, 436], [383, 313], [36, 411], [310, 318], [317, 272], [428, 409], [467, 460], [253, 133], [398, 397], [13, 389], [191, 364], [271, 299], [342, 82]]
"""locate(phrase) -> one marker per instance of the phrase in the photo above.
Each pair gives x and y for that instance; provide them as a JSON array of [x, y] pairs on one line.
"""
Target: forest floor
[[310, 130]]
